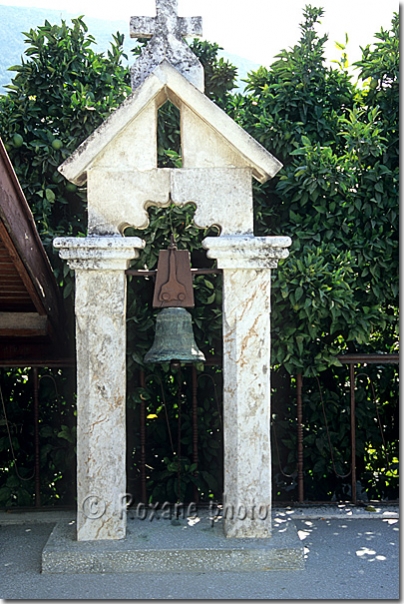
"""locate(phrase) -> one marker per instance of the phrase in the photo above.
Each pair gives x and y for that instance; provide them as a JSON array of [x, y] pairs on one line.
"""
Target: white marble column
[[100, 307], [246, 262]]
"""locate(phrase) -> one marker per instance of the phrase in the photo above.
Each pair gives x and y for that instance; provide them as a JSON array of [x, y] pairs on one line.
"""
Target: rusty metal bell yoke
[[174, 337]]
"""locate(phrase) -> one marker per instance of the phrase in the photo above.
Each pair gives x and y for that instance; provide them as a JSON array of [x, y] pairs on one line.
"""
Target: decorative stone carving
[[120, 198], [167, 31]]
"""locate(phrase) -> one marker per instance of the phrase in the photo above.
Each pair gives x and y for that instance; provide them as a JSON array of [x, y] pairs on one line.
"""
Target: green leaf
[[298, 293], [50, 196], [68, 289]]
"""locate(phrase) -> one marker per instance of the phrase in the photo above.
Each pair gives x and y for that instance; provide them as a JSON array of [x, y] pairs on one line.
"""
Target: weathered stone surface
[[203, 148], [223, 197], [217, 131], [194, 544], [247, 251], [246, 373], [135, 148], [167, 31], [98, 253], [119, 198], [250, 153], [75, 167], [100, 308]]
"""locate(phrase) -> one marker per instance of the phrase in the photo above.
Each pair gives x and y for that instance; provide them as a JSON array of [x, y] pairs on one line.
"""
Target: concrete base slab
[[186, 544]]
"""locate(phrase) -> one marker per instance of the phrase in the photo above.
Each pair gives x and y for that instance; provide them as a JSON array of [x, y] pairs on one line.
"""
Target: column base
[[195, 544]]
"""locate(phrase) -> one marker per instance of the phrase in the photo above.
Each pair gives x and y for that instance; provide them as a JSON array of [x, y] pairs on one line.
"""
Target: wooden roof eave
[[20, 236]]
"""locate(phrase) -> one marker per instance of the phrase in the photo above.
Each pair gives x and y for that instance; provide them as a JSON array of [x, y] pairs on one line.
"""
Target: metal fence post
[[353, 435], [36, 440], [299, 388]]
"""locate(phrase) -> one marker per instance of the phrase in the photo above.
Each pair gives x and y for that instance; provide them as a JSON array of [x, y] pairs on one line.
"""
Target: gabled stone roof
[[166, 83]]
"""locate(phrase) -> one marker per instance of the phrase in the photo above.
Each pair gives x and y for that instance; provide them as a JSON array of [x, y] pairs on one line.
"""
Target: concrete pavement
[[350, 553]]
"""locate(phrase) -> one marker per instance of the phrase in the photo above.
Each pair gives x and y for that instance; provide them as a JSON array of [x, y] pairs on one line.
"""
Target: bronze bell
[[174, 339]]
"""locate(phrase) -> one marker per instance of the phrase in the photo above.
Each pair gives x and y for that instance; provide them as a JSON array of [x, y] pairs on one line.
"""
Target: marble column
[[247, 262], [100, 307]]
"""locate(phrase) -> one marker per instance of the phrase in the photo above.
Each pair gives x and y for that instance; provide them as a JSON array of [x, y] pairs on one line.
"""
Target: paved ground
[[350, 554]]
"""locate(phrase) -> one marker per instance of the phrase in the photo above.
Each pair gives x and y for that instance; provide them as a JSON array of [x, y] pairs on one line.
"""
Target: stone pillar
[[246, 262], [100, 307]]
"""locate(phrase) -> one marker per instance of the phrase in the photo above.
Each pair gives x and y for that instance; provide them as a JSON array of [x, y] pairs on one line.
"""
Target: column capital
[[247, 252], [98, 253]]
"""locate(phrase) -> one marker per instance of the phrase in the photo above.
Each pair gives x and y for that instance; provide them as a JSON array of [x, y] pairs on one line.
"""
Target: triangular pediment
[[127, 122]]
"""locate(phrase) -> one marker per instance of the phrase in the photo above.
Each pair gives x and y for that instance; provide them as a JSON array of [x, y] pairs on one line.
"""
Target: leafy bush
[[57, 434]]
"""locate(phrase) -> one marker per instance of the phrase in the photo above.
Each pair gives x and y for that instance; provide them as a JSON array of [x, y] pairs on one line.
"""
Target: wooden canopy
[[30, 304]]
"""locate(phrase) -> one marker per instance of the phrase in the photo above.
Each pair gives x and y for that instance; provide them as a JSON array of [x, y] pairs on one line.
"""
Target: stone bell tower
[[119, 164]]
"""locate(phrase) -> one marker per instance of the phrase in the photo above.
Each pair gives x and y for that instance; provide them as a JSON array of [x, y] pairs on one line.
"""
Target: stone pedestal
[[194, 544], [246, 263], [100, 307]]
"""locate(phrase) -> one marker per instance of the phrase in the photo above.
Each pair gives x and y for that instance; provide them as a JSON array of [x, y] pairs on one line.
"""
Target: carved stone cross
[[166, 22], [167, 31]]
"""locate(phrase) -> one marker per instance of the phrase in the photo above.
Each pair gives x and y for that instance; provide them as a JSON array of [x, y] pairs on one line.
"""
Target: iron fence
[[352, 361]]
